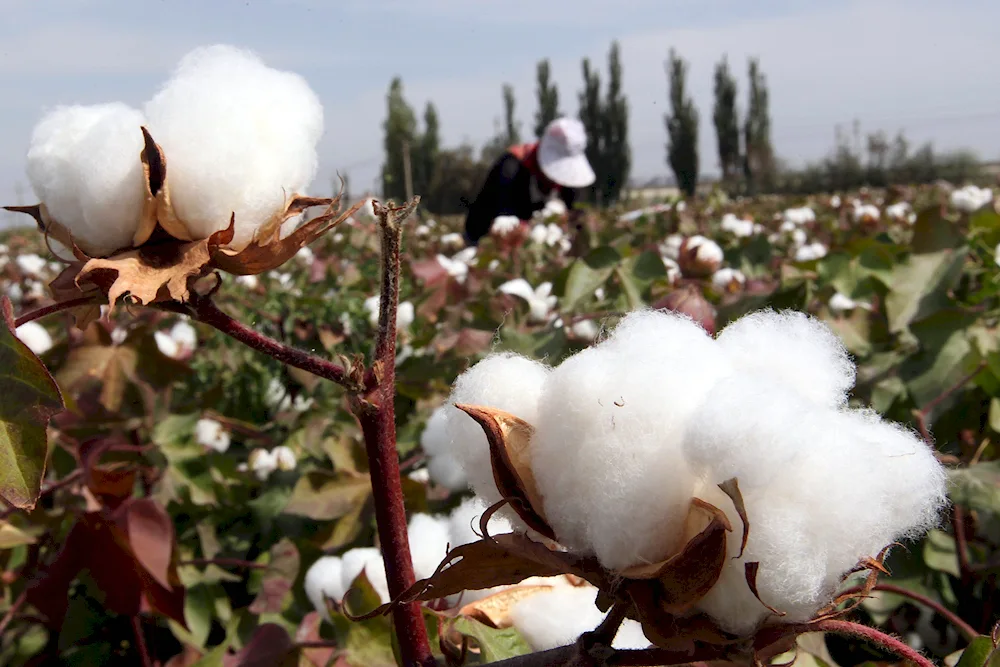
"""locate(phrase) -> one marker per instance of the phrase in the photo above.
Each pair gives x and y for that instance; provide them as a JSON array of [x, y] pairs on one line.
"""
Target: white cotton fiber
[[504, 381], [609, 437], [238, 137], [557, 617], [442, 465], [429, 538], [369, 560], [324, 580], [795, 349], [84, 165]]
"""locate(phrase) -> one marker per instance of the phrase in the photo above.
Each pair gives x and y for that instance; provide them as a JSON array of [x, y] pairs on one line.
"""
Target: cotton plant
[[616, 464], [541, 302], [901, 211], [970, 198], [179, 342], [457, 266], [405, 312], [699, 256], [504, 225], [551, 235], [799, 216], [810, 252], [738, 227], [729, 281], [866, 213], [217, 161]]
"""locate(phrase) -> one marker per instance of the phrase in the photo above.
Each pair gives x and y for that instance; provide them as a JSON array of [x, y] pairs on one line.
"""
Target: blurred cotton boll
[[729, 281], [179, 342], [504, 225], [452, 240], [738, 227], [210, 433], [31, 264], [699, 256], [238, 136], [540, 300], [810, 252], [83, 164], [970, 198], [35, 337]]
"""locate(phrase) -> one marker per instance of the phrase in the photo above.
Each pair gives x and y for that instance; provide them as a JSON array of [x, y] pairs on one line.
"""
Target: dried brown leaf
[[267, 251], [494, 610], [679, 582], [156, 272], [750, 570], [157, 209], [509, 438], [50, 228], [731, 487]]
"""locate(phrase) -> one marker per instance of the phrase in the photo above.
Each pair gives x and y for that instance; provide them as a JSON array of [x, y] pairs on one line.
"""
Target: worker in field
[[527, 175]]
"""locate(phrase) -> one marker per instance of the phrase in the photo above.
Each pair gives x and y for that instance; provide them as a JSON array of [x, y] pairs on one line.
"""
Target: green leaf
[[919, 286], [198, 606], [588, 273], [978, 486], [325, 496], [632, 291], [932, 233], [30, 398], [978, 652], [940, 552], [215, 657], [495, 644]]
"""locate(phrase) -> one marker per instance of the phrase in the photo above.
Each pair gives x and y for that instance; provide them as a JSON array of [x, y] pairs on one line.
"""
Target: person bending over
[[527, 175]]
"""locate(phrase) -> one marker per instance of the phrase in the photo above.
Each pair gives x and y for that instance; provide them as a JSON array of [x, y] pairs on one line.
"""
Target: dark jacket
[[512, 187]]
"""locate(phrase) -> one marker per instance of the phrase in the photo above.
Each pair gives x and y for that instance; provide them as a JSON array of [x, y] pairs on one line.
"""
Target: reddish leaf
[[429, 272], [269, 646], [278, 578], [308, 631], [151, 535]]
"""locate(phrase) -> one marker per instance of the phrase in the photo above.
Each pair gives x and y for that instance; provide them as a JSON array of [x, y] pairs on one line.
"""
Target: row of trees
[[445, 177]]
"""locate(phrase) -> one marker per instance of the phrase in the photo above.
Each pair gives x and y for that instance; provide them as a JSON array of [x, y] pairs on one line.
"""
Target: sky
[[925, 67]]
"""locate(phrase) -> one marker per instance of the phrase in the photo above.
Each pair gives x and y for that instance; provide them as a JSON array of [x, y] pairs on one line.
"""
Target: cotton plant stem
[[140, 642], [39, 313], [953, 618], [377, 416], [872, 636]]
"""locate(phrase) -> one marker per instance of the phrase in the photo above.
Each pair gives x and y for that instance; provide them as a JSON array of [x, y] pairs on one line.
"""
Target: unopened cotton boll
[[557, 617], [794, 349], [608, 439], [84, 165], [429, 538], [35, 337], [239, 138], [504, 381]]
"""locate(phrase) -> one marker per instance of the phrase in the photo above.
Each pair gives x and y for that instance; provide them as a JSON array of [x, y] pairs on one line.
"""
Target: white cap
[[561, 154]]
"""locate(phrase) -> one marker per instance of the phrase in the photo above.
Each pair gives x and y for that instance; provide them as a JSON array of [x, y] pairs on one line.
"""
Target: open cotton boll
[[557, 617], [324, 579], [793, 348], [84, 165], [369, 560], [463, 524], [429, 539], [608, 439], [504, 381], [239, 137], [35, 337]]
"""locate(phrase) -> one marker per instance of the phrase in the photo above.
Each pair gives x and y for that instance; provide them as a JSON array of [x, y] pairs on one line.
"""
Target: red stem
[[9, 616], [376, 414], [140, 642], [224, 562], [205, 311], [961, 544], [55, 308], [871, 635], [953, 618]]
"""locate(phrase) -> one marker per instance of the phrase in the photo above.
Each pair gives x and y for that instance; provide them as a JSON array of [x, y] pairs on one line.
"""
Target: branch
[[204, 310], [953, 618], [224, 562], [140, 642], [8, 617], [51, 488], [377, 416], [922, 414], [871, 635], [961, 543], [57, 307]]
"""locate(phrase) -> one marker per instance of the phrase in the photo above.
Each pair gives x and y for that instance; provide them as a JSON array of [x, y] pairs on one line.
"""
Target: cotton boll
[[442, 465], [429, 538], [369, 560], [557, 617], [795, 349], [84, 165], [507, 382], [324, 580], [210, 433], [35, 337], [239, 137], [609, 437], [746, 427]]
